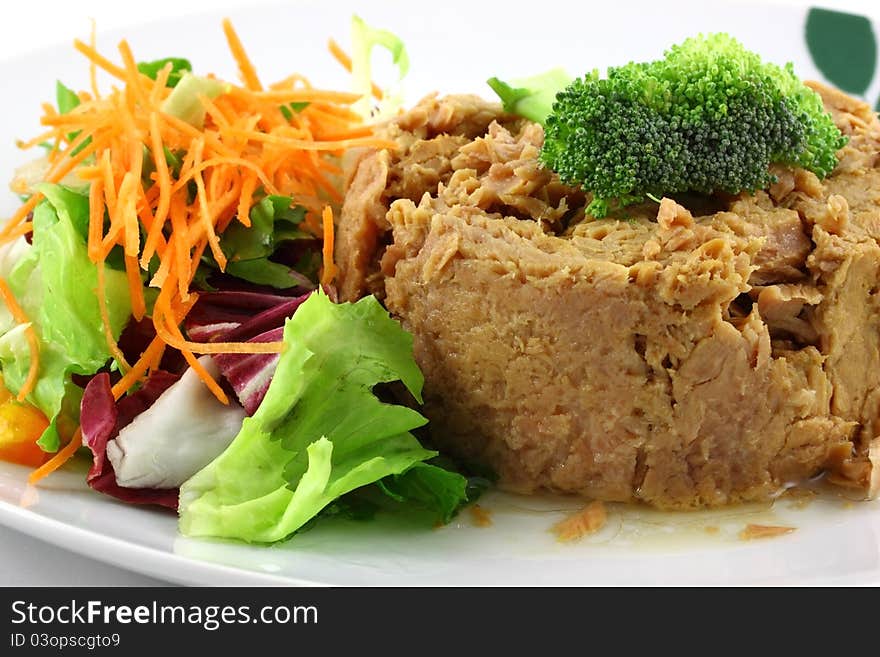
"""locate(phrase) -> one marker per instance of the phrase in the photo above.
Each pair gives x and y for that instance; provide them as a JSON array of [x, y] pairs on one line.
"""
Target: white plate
[[836, 541]]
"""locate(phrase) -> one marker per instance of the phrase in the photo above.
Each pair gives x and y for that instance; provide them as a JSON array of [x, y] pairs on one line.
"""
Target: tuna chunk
[[683, 357], [429, 135]]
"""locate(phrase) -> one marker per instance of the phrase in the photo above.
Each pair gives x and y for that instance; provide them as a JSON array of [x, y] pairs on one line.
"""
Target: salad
[[169, 307]]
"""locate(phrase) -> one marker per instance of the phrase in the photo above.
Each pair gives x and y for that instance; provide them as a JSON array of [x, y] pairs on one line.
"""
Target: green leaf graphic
[[843, 48]]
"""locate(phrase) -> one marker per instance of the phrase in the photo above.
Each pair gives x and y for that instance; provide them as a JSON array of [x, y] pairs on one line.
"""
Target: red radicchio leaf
[[101, 420], [216, 313], [250, 374], [228, 316], [267, 320], [137, 336]]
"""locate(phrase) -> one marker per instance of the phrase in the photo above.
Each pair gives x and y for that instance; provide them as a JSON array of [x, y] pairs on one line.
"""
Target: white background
[[31, 24]]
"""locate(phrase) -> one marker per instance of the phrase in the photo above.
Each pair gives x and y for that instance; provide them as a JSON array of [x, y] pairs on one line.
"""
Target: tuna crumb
[[799, 497], [711, 529], [763, 531], [480, 516], [588, 520]]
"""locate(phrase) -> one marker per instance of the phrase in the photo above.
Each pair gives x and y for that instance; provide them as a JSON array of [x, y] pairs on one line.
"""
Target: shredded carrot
[[191, 132], [156, 362], [186, 176], [248, 73], [160, 88], [203, 210], [310, 145], [127, 209], [69, 161], [206, 377], [342, 57], [329, 272], [164, 190], [93, 69], [214, 111], [19, 216], [115, 351], [133, 77], [136, 287], [197, 253], [96, 218], [39, 139], [138, 370], [33, 344], [351, 133], [179, 255], [163, 182], [21, 230], [294, 96], [60, 458], [218, 347], [99, 60]]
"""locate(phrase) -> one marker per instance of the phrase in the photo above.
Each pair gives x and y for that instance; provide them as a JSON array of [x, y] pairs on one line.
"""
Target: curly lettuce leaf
[[320, 432], [275, 223], [54, 281], [274, 220]]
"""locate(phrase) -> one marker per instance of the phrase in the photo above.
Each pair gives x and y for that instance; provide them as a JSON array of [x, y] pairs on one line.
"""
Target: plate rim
[[136, 557], [174, 568]]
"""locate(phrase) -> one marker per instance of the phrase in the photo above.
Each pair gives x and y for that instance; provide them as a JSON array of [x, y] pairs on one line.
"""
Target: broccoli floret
[[710, 116]]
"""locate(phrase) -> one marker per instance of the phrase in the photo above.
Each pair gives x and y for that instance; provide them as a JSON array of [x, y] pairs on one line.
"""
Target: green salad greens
[[321, 432], [55, 281], [134, 326]]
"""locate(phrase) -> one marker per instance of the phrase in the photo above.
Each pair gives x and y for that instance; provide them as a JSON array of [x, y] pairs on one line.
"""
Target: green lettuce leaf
[[287, 111], [54, 281], [429, 487], [179, 66], [67, 100], [363, 39], [65, 97], [320, 432], [428, 492], [274, 222], [263, 271]]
